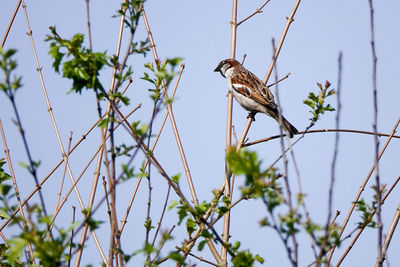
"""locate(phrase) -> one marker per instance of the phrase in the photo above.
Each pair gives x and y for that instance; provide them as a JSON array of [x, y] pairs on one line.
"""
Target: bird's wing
[[253, 88]]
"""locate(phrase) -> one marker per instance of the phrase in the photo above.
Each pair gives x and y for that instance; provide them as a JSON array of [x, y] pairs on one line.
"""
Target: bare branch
[[289, 21], [362, 189], [258, 10], [11, 23], [376, 140], [320, 131], [335, 153], [172, 117], [362, 228], [7, 151]]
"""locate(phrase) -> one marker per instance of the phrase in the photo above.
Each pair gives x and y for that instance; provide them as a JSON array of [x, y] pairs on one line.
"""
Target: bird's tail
[[288, 127]]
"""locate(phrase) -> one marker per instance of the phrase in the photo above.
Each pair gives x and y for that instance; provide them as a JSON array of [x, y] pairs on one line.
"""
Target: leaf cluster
[[49, 251], [162, 73], [317, 103], [7, 64], [259, 183], [245, 258], [3, 175], [132, 12], [79, 63], [367, 213], [5, 195]]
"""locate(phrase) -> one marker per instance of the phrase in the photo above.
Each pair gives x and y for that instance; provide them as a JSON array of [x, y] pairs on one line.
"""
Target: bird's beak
[[218, 68]]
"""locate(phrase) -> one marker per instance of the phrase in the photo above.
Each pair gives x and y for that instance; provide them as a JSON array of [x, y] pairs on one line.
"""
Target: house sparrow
[[251, 93]]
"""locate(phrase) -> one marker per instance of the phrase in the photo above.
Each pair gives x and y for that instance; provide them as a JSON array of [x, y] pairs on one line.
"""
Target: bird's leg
[[252, 115]]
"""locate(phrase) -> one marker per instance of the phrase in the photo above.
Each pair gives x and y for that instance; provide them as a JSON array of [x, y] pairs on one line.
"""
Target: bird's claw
[[252, 116]]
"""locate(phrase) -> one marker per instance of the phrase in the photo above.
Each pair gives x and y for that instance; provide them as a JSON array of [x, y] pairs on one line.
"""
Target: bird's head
[[226, 65]]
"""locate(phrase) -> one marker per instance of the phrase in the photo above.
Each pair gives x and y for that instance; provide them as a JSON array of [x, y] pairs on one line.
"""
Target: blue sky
[[199, 32]]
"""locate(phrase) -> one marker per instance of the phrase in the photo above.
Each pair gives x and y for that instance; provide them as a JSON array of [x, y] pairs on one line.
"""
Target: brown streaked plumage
[[251, 93]]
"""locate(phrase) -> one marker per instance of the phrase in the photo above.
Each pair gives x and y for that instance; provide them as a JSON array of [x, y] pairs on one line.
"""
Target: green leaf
[[4, 215], [174, 61], [259, 259], [202, 208], [243, 259], [176, 178], [176, 257], [190, 226], [103, 123], [174, 203], [17, 247], [148, 225], [82, 74], [244, 162], [149, 66], [183, 211], [201, 245], [3, 175], [264, 222], [23, 165], [4, 189], [205, 234]]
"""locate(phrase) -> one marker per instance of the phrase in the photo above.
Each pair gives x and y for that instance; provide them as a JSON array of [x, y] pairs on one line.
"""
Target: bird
[[251, 93]]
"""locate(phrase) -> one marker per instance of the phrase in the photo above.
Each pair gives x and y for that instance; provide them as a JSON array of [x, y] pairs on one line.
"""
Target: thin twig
[[258, 10], [64, 172], [72, 236], [129, 47], [244, 58], [11, 23], [90, 204], [118, 49], [275, 226], [50, 109], [161, 216], [289, 21], [87, 166], [110, 251], [147, 222], [88, 25], [111, 170], [364, 226], [284, 78], [107, 205], [162, 244], [110, 182], [84, 170], [172, 117], [155, 162], [62, 181], [124, 220], [376, 140], [176, 188], [199, 258], [7, 151], [335, 153], [32, 166], [179, 144], [362, 187], [58, 165], [389, 236], [285, 160], [320, 131], [227, 215], [189, 244]]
